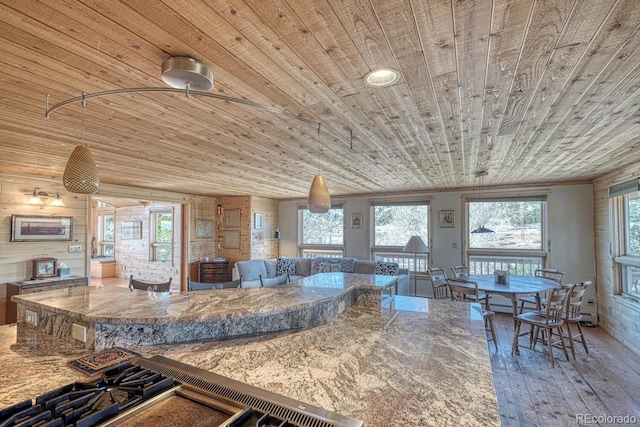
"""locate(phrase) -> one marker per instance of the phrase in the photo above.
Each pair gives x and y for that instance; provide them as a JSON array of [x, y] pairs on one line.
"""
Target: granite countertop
[[415, 362], [120, 305]]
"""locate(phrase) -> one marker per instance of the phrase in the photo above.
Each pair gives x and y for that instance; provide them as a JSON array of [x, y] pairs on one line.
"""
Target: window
[[105, 235], [161, 235], [626, 214], [519, 233], [393, 226], [321, 234]]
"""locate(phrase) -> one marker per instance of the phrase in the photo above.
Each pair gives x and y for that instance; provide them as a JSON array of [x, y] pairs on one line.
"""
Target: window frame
[[394, 253], [102, 242], [153, 243], [619, 226], [504, 258], [310, 250]]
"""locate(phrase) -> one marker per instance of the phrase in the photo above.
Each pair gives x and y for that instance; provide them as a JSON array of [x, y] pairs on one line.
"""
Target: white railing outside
[[525, 266], [404, 260]]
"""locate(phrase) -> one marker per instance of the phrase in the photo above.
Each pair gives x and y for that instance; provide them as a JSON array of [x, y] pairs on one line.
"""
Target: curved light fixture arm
[[188, 94]]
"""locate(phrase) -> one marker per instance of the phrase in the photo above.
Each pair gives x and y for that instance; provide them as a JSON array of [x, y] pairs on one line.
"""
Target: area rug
[[101, 360]]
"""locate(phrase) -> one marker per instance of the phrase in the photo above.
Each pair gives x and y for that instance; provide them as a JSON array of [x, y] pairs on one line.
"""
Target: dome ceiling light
[[382, 77]]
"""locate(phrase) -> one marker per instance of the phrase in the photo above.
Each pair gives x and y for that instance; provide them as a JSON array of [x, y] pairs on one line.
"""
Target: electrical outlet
[[75, 248], [79, 332], [454, 245]]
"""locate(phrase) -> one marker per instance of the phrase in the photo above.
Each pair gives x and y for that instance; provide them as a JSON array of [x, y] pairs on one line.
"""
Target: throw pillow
[[329, 267], [285, 265], [386, 268]]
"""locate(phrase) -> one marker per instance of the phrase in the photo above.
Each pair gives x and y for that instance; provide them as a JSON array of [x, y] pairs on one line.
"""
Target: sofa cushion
[[303, 266], [270, 266], [363, 266], [285, 266], [329, 267], [387, 268], [345, 264], [251, 270]]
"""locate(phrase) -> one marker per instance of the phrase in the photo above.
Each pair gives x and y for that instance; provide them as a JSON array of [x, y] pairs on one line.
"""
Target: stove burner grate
[[84, 404]]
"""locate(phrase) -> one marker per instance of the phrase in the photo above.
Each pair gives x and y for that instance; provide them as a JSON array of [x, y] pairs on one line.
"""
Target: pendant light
[[482, 229], [81, 172], [319, 200]]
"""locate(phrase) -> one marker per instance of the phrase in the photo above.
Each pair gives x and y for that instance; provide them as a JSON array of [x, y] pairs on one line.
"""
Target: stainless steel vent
[[298, 413]]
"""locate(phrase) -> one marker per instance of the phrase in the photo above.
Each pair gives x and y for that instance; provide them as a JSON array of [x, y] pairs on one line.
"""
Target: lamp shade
[[319, 200], [81, 172], [416, 245]]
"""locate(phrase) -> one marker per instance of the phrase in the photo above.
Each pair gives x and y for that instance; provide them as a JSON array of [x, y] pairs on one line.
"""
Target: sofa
[[297, 268]]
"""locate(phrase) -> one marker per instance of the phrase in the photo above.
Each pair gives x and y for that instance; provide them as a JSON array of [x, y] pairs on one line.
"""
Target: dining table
[[517, 285]]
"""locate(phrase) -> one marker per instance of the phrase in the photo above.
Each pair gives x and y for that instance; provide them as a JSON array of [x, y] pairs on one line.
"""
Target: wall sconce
[[37, 198]]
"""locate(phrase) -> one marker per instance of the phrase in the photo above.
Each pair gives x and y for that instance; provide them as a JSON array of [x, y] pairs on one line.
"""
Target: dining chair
[[283, 279], [548, 320], [536, 300], [573, 314], [467, 291], [147, 286], [438, 279], [460, 270]]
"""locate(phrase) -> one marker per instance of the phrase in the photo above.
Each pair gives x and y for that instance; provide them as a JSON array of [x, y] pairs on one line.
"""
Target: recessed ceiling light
[[382, 77]]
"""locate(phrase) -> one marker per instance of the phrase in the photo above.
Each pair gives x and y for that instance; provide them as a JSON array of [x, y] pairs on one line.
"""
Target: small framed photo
[[204, 228], [232, 218], [231, 239], [356, 220], [258, 221], [131, 230], [447, 219]]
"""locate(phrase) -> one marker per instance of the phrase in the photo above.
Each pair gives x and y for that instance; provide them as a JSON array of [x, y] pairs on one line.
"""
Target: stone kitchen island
[[411, 362], [109, 316]]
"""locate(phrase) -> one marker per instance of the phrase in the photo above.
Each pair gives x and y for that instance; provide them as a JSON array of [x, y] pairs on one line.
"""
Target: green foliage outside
[[633, 215]]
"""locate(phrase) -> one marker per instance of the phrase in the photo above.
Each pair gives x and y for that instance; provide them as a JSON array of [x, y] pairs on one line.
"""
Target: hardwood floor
[[605, 382]]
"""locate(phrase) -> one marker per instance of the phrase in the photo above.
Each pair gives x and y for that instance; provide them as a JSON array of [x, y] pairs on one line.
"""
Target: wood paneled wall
[[15, 257], [618, 316], [263, 244]]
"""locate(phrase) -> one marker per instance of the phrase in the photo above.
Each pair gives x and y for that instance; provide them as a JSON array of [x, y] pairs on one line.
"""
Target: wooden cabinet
[[31, 286], [210, 271]]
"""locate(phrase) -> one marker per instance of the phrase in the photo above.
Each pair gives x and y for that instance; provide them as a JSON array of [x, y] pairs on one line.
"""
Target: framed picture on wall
[[356, 220], [204, 228], [258, 221], [447, 219], [232, 218], [131, 230], [29, 228], [231, 239]]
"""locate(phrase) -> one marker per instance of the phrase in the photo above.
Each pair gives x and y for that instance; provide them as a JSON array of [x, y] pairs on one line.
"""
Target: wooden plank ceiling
[[533, 91]]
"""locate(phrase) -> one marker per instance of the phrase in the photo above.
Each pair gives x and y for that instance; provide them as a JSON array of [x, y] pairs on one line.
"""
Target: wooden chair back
[[550, 273], [274, 281], [438, 279], [463, 290], [553, 312], [573, 313], [460, 270], [147, 286]]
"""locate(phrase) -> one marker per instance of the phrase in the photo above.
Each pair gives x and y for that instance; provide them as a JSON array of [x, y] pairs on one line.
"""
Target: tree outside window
[[322, 234]]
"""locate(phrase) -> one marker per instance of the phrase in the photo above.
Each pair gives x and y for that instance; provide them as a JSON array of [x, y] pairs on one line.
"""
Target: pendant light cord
[[82, 118], [318, 156]]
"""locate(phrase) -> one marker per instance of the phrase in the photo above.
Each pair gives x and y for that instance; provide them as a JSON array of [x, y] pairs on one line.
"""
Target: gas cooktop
[[164, 392]]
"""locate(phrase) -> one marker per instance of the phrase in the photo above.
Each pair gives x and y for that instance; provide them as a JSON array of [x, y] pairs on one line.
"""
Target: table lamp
[[416, 246]]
